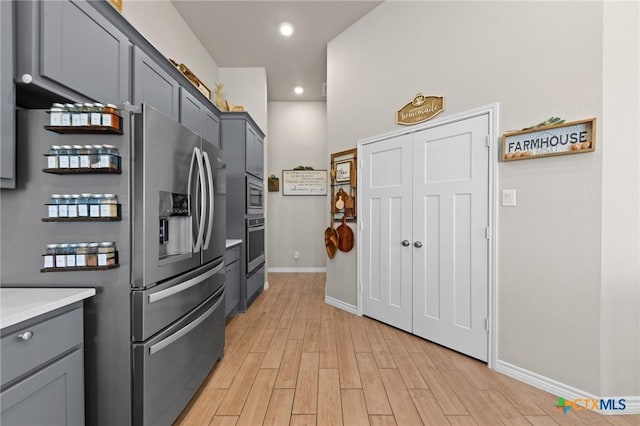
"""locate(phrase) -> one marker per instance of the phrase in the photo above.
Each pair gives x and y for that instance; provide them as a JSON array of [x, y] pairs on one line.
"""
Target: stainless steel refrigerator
[[155, 328]]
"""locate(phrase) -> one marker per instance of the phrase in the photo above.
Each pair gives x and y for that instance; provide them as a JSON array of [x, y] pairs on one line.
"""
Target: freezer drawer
[[159, 306], [169, 368]]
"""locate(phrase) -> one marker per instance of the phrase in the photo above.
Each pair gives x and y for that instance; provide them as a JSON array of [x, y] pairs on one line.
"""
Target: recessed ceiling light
[[286, 29], [298, 90]]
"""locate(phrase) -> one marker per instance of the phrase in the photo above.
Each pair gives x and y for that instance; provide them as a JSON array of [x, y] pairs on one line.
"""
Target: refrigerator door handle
[[198, 159], [207, 164], [184, 330], [168, 292]]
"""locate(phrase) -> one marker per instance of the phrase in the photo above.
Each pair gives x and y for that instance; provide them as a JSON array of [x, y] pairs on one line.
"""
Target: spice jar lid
[[68, 105], [97, 195], [112, 106], [107, 244], [64, 245], [78, 104], [83, 244], [108, 146], [55, 146], [75, 195], [56, 195], [87, 194], [88, 104], [77, 146], [57, 105], [96, 146], [66, 146], [93, 244], [109, 195], [66, 196], [52, 245]]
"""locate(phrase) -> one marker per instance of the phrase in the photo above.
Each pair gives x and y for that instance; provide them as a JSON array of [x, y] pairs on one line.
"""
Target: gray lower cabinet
[[154, 86], [7, 99], [198, 118], [69, 48], [42, 370], [232, 280]]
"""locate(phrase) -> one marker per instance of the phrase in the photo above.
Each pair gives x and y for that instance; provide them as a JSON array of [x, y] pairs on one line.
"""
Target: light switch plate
[[508, 197]]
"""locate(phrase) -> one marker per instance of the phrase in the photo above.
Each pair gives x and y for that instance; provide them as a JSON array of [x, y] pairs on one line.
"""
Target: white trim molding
[[340, 305], [560, 389], [294, 269]]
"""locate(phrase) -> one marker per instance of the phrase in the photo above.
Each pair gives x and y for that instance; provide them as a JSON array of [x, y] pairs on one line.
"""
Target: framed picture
[[343, 171]]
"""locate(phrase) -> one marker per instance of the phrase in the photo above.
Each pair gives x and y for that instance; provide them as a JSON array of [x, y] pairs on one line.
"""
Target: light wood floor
[[293, 360]]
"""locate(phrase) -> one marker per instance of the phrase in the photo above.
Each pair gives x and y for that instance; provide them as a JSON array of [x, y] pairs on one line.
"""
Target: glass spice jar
[[84, 155], [106, 253], [83, 205], [109, 158], [55, 116], [109, 206], [81, 254], [96, 114], [110, 117], [53, 205], [71, 255], [63, 207], [94, 205], [92, 254], [95, 156], [61, 255], [76, 112], [66, 115], [63, 156], [74, 156], [49, 256], [52, 157], [74, 202]]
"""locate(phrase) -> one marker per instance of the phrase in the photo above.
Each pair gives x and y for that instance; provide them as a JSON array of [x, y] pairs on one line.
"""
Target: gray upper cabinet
[[254, 152], [7, 98], [198, 118], [154, 86], [211, 127], [70, 49]]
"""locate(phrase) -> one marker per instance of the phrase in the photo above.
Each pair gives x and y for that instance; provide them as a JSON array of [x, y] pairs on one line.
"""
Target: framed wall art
[[343, 171]]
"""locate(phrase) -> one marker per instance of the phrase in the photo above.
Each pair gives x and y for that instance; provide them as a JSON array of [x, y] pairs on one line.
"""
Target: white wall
[[160, 23], [247, 87], [298, 137], [537, 59], [620, 312]]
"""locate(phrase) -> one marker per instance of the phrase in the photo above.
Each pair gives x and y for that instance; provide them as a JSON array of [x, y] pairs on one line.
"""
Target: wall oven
[[255, 196], [255, 244]]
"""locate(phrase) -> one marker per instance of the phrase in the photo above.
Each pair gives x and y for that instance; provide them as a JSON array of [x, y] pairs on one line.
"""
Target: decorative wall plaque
[[304, 182], [568, 138], [420, 109]]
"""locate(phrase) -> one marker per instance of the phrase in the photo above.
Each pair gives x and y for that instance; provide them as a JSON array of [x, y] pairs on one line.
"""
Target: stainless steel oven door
[[255, 196], [255, 243]]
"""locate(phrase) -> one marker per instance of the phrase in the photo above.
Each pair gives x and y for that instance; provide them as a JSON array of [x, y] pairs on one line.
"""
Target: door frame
[[492, 110]]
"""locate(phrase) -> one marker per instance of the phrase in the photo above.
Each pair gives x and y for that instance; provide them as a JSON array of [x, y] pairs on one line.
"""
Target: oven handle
[[207, 164], [168, 292], [186, 329], [255, 228]]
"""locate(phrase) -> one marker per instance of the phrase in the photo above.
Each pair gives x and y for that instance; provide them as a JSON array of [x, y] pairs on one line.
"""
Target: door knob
[[406, 243], [417, 244]]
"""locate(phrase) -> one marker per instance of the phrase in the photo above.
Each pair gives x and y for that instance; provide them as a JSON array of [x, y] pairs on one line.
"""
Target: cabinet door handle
[[27, 335], [417, 244], [405, 243]]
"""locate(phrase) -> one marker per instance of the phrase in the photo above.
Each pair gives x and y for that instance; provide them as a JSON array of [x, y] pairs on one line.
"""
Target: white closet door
[[450, 216], [387, 221]]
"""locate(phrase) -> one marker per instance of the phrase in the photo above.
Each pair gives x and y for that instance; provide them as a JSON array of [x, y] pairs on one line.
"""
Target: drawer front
[[169, 368], [48, 339], [232, 254]]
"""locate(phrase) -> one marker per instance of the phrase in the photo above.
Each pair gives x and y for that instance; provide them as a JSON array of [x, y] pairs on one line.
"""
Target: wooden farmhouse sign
[[420, 109], [567, 138], [304, 182]]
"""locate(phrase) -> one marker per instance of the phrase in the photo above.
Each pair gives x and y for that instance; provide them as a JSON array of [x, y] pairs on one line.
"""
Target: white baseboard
[[340, 305], [294, 269], [560, 389]]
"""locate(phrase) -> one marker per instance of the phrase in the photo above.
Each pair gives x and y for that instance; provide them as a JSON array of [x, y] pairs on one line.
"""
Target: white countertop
[[21, 304], [231, 243]]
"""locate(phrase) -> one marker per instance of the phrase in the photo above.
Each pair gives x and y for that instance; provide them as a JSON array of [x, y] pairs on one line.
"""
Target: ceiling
[[245, 34]]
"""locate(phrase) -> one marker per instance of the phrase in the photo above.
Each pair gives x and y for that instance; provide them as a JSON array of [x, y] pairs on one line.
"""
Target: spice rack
[[344, 191], [87, 119], [64, 130]]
